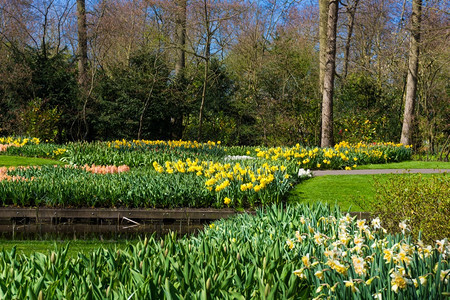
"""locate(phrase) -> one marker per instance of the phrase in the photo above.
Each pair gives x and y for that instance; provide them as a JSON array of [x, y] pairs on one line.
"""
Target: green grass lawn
[[350, 192], [28, 247], [14, 161], [336, 189], [408, 165]]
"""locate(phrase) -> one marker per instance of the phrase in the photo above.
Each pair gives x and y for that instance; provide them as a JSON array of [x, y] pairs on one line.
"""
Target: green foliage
[[355, 129], [243, 257], [218, 113], [41, 84], [54, 81], [367, 111], [70, 187], [135, 99], [43, 150], [276, 95], [40, 122], [138, 153], [344, 258], [423, 202]]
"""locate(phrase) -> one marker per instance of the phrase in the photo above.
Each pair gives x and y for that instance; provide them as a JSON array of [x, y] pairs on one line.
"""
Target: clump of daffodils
[[221, 177], [6, 142], [342, 155], [368, 260]]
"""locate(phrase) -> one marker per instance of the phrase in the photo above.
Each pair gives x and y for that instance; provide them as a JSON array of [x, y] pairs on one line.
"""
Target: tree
[[323, 21], [328, 80], [411, 80], [180, 38], [82, 59], [351, 10], [213, 16]]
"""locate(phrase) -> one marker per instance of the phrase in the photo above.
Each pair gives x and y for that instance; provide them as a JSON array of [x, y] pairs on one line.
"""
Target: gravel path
[[378, 171]]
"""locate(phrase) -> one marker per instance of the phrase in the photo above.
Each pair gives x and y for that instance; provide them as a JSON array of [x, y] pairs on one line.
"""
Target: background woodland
[[240, 71]]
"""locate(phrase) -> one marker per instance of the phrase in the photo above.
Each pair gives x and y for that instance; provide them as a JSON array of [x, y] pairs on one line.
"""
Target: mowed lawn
[[408, 165], [14, 161], [349, 192], [28, 247]]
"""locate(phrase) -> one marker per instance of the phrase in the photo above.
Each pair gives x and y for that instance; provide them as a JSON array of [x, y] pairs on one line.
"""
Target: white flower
[[290, 244], [440, 245], [303, 173], [376, 223], [445, 275], [351, 284], [403, 226], [398, 282], [359, 265], [237, 157], [300, 273], [377, 296], [319, 274], [361, 224]]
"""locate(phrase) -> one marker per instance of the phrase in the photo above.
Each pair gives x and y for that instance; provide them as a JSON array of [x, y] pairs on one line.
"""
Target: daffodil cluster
[[345, 257], [343, 155], [171, 144], [6, 142], [234, 180]]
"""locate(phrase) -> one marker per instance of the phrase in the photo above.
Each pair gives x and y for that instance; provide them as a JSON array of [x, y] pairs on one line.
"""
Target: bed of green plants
[[171, 173], [138, 153], [294, 252]]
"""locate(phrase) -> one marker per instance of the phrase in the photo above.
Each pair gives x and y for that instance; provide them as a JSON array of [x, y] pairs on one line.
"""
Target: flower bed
[[140, 153], [343, 257], [172, 173], [244, 257]]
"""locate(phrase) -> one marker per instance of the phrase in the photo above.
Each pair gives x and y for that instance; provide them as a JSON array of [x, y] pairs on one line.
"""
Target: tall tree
[[323, 21], [328, 78], [351, 10], [82, 59], [213, 17], [411, 80], [207, 56], [180, 37]]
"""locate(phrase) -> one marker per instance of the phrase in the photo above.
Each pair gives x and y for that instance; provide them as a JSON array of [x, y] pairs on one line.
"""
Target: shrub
[[421, 200]]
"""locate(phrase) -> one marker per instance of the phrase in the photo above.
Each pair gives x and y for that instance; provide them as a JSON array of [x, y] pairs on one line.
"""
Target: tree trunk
[[323, 21], [411, 80], [181, 37], [180, 64], [82, 59], [328, 82], [205, 84], [207, 54], [351, 22]]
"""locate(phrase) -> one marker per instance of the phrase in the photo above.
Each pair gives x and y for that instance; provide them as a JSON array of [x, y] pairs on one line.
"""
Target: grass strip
[[28, 247], [408, 165], [14, 161]]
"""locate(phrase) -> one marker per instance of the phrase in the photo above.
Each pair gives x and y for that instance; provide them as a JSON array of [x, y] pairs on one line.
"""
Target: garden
[[286, 249], [171, 174]]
